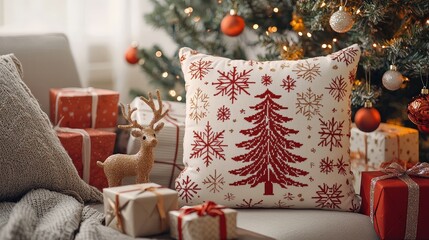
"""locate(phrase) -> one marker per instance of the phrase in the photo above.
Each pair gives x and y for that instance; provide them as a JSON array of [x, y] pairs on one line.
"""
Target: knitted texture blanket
[[31, 155], [45, 214]]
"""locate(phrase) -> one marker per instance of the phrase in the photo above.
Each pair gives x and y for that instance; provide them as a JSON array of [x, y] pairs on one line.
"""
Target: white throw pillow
[[269, 134]]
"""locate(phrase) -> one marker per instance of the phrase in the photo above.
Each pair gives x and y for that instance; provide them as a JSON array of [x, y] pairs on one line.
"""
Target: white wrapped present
[[205, 221], [389, 143], [169, 150], [139, 210]]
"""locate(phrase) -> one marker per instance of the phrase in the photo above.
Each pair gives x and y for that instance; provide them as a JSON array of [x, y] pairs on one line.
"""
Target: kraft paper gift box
[[395, 204], [85, 147], [83, 107], [139, 210], [169, 150], [205, 221]]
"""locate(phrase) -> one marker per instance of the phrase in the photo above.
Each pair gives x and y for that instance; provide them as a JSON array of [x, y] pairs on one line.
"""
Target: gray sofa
[[48, 62]]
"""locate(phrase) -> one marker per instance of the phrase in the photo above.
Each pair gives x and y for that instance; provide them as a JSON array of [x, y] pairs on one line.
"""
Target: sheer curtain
[[99, 32]]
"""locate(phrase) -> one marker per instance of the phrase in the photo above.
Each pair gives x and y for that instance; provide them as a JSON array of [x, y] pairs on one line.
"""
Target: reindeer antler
[[156, 113], [133, 123]]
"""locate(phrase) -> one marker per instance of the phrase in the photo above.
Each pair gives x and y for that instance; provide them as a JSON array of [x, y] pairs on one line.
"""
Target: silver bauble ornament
[[392, 79], [341, 21]]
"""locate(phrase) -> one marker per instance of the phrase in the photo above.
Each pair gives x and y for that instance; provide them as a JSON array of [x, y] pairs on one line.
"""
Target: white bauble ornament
[[392, 79], [341, 21]]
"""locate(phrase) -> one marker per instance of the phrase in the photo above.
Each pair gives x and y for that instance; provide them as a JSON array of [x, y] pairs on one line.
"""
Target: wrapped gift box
[[139, 210], [387, 143], [391, 203], [83, 107], [359, 165], [85, 147], [204, 222], [169, 150]]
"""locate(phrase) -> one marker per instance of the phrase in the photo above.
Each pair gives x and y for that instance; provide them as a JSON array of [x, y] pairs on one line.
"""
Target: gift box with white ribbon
[[83, 107], [85, 147]]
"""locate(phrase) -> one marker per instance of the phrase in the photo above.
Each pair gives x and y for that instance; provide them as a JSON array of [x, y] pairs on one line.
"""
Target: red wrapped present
[[396, 201], [85, 147], [83, 107]]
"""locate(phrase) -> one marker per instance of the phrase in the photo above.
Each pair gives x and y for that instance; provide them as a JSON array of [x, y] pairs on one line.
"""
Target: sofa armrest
[[47, 62]]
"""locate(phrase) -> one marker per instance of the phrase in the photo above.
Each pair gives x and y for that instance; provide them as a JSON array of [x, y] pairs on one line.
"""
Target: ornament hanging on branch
[[367, 119], [418, 109], [341, 21], [131, 55], [392, 79], [232, 24]]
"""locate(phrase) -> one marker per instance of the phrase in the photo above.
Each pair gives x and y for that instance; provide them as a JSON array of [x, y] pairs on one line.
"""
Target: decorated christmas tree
[[393, 36]]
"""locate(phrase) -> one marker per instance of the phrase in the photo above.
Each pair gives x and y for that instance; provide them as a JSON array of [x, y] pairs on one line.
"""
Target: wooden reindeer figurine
[[118, 166]]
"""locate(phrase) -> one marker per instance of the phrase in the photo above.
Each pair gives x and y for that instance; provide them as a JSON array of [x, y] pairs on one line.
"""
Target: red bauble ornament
[[424, 129], [418, 110], [367, 119], [232, 25], [131, 55]]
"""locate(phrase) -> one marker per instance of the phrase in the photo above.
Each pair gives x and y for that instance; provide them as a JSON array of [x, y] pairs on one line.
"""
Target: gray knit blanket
[[44, 214]]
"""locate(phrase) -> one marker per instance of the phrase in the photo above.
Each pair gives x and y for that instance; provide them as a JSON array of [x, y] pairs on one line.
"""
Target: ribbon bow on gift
[[418, 170], [116, 206], [395, 170], [207, 209]]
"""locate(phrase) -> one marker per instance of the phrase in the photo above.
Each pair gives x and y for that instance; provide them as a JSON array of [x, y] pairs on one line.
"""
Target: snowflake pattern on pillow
[[269, 134]]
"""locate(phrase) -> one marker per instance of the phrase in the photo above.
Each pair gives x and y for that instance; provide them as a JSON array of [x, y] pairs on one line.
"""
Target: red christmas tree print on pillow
[[269, 154]]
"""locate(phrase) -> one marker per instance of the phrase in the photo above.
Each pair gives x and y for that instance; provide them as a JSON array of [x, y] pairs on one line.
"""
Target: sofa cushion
[[296, 224], [31, 156], [268, 134]]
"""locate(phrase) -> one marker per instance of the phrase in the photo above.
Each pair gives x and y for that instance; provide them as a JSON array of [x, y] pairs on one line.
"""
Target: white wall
[[99, 31]]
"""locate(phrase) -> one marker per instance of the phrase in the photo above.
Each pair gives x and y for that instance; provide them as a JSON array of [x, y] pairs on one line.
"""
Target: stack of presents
[[393, 184], [86, 122]]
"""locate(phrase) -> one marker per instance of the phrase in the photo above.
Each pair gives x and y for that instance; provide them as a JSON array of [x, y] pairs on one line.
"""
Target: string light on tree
[[392, 79], [341, 21]]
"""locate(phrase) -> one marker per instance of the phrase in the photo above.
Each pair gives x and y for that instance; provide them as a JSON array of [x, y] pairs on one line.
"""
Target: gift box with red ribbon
[[205, 221], [139, 210], [85, 147], [83, 107], [396, 201], [169, 150]]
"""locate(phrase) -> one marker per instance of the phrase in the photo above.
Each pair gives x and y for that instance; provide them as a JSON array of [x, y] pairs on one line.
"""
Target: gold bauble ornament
[[341, 21]]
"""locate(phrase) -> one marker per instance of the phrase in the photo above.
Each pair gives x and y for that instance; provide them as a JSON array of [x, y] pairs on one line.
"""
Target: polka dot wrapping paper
[[74, 107], [101, 147]]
